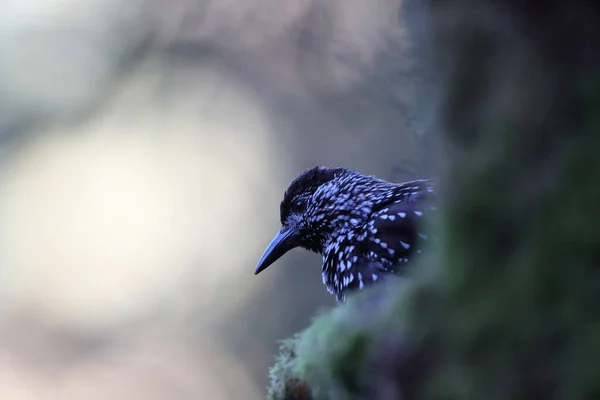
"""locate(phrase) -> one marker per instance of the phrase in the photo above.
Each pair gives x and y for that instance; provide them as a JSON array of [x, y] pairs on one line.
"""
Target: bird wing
[[396, 229], [391, 237]]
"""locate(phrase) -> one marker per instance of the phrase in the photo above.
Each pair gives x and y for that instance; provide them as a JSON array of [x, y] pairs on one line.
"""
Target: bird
[[365, 228]]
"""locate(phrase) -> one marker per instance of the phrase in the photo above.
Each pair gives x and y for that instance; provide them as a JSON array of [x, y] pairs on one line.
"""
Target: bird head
[[317, 203]]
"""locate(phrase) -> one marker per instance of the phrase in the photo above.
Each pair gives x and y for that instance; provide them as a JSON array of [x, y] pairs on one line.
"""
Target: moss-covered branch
[[508, 306]]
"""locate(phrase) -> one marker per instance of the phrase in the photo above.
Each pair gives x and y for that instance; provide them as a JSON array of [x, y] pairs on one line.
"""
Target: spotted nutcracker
[[365, 228]]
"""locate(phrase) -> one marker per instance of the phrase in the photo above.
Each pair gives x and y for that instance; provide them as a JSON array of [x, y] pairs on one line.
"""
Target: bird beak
[[284, 241]]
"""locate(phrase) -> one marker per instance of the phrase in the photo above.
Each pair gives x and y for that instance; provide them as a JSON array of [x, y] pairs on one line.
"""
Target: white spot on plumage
[[354, 221], [374, 277], [342, 266], [392, 217], [350, 278], [401, 214], [384, 245], [391, 251], [418, 213], [405, 245], [422, 236], [377, 240], [360, 281], [384, 216]]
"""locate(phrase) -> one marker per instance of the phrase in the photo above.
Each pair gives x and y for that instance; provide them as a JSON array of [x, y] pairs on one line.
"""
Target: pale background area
[[145, 146]]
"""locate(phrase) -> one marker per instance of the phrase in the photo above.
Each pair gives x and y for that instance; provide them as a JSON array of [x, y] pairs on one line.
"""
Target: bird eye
[[299, 206]]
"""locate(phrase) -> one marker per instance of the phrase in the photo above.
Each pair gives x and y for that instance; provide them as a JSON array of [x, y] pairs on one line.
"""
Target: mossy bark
[[507, 306]]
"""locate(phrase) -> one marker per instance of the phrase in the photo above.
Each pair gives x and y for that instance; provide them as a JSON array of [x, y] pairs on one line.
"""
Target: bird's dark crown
[[303, 187]]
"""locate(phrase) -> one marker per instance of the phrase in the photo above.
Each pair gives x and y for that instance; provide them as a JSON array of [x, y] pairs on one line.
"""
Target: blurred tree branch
[[507, 308]]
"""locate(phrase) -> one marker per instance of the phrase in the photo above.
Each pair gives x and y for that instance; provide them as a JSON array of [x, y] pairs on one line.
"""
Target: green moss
[[345, 348], [284, 382], [335, 348], [508, 306]]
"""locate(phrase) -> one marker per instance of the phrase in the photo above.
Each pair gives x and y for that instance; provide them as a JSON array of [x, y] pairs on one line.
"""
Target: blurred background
[[145, 146]]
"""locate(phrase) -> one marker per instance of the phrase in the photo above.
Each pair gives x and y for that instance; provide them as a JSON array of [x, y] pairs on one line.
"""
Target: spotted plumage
[[364, 228]]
